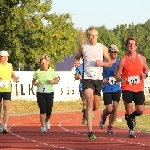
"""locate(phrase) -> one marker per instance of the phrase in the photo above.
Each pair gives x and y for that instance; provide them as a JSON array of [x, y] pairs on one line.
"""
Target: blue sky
[[103, 12]]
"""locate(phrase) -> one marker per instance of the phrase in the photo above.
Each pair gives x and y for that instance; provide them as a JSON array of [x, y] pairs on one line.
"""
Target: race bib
[[112, 80], [134, 80], [93, 72], [43, 89], [4, 83]]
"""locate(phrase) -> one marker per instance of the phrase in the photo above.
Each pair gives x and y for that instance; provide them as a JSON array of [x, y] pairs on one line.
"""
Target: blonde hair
[[43, 57]]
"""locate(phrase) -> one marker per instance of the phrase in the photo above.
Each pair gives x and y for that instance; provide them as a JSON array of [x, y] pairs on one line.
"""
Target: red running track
[[68, 133]]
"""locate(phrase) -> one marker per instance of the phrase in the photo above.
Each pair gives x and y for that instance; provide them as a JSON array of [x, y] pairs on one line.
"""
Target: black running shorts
[[96, 85], [108, 97], [137, 97], [5, 96]]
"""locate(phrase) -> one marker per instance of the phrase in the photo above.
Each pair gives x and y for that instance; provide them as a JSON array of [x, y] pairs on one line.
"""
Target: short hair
[[89, 29], [75, 59], [43, 57], [131, 38]]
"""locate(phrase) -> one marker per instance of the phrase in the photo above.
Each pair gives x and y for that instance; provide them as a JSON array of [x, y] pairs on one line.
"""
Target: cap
[[113, 48], [4, 53]]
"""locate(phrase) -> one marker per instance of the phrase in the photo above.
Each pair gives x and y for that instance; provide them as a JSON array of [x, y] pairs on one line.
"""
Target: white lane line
[[32, 140]]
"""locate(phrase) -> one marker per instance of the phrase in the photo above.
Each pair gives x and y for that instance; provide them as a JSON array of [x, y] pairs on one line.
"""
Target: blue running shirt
[[112, 85], [79, 70]]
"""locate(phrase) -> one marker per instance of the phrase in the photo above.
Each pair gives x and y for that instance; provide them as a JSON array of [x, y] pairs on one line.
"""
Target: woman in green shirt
[[44, 78]]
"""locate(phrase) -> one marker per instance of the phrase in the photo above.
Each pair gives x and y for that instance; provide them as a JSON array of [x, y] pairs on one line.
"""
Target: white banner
[[67, 89]]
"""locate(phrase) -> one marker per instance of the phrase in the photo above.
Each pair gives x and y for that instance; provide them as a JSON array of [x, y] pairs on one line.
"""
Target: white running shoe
[[5, 130], [48, 126], [43, 129]]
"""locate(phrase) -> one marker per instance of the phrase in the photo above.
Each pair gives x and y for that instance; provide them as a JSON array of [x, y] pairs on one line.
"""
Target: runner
[[6, 73], [133, 70], [92, 53], [111, 91], [78, 76], [44, 78]]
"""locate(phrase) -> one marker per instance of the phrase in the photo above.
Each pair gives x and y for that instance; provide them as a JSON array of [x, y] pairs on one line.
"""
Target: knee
[[90, 105], [6, 107], [109, 109], [115, 108], [140, 111]]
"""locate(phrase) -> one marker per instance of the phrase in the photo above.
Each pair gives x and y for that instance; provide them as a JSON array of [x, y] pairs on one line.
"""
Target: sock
[[110, 127], [90, 133], [129, 118], [83, 111], [104, 117], [135, 113]]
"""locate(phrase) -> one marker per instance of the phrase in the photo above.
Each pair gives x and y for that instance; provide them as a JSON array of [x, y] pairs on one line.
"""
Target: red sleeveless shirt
[[132, 70]]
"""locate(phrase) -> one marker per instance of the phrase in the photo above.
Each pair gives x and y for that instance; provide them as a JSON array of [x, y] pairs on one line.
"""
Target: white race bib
[[93, 72], [112, 80], [134, 80], [4, 83], [43, 89]]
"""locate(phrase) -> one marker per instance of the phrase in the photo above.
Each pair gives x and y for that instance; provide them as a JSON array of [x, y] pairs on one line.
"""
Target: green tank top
[[43, 77]]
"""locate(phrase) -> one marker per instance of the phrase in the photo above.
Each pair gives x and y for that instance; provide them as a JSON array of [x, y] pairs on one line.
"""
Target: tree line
[[28, 29]]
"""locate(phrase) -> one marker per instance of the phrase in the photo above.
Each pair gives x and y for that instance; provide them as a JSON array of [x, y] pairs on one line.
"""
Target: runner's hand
[[51, 82], [99, 63], [124, 80], [36, 83], [80, 77], [143, 75], [105, 80], [15, 79]]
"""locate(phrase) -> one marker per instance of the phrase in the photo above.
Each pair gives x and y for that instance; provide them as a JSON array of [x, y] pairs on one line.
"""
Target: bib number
[[4, 83], [134, 80], [43, 89], [112, 80], [92, 71]]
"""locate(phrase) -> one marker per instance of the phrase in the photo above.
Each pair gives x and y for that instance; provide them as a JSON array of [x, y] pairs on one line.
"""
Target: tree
[[27, 30], [108, 37]]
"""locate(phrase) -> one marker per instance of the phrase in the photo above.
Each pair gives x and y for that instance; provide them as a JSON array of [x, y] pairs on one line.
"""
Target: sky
[[86, 13]]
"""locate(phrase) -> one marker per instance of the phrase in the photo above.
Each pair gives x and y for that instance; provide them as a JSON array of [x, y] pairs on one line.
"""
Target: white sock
[[5, 125]]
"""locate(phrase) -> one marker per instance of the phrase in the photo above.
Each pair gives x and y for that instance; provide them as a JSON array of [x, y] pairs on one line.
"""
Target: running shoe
[[102, 122]]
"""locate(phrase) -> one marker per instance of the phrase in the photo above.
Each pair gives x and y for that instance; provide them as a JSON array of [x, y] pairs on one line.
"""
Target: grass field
[[23, 106], [142, 123]]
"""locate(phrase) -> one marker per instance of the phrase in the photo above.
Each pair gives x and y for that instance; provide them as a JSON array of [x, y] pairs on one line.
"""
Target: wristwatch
[[146, 75]]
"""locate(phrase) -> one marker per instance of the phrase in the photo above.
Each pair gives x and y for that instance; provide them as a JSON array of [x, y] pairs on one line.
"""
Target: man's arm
[[146, 69], [118, 70], [79, 53], [13, 76], [108, 62]]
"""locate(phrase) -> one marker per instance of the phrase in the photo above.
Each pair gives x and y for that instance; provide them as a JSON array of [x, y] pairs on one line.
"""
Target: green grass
[[23, 106], [142, 123]]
